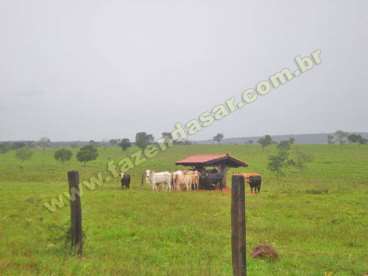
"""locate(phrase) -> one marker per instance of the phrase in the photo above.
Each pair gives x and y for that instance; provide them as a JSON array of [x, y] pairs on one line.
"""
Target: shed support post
[[223, 170]]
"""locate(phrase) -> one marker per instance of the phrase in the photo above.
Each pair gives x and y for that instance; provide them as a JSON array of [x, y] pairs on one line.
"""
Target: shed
[[220, 161]]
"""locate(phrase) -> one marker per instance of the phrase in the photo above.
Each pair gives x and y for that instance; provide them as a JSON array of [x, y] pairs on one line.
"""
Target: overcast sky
[[88, 69]]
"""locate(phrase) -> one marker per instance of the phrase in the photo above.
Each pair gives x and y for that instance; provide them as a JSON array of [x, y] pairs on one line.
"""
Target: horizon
[[364, 133]]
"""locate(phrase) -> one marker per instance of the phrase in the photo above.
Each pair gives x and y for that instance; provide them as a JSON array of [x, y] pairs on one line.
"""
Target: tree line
[[342, 137], [86, 153], [339, 137], [285, 157]]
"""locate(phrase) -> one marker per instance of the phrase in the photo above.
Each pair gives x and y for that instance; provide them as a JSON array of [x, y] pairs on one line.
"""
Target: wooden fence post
[[75, 212], [238, 232]]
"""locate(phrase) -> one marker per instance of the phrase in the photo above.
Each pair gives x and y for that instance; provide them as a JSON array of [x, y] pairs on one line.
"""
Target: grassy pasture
[[316, 219]]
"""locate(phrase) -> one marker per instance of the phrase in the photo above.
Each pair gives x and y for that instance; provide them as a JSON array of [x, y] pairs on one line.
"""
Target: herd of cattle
[[177, 181], [188, 180]]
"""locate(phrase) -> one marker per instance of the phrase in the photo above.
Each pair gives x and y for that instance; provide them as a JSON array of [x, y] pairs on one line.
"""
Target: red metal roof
[[211, 159]]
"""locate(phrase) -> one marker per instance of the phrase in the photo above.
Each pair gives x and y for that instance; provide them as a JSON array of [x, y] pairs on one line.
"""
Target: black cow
[[211, 181], [125, 181], [255, 183]]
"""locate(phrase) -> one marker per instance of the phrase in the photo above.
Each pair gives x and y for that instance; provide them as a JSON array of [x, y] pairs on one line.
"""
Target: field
[[316, 219]]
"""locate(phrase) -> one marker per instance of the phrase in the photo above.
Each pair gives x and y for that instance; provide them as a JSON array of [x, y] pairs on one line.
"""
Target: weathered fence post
[[75, 212], [238, 232]]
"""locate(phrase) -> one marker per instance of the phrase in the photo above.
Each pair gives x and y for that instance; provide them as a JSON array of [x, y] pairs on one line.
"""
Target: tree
[[357, 138], [341, 137], [166, 136], [277, 163], [150, 139], [265, 141], [44, 142], [250, 142], [18, 145], [300, 159], [23, 154], [143, 139], [125, 144], [284, 145], [218, 138], [4, 148], [354, 138], [114, 142], [93, 142], [63, 155], [87, 153], [287, 157], [330, 139]]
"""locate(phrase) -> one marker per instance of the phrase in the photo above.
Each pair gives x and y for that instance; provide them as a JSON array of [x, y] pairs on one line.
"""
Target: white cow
[[157, 178], [187, 179], [178, 180], [196, 176]]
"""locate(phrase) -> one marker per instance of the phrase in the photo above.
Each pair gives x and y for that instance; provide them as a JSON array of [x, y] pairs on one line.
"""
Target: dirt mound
[[265, 252]]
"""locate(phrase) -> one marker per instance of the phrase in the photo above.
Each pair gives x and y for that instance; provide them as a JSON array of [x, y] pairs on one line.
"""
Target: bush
[[23, 154], [125, 144], [4, 148], [86, 154], [63, 155]]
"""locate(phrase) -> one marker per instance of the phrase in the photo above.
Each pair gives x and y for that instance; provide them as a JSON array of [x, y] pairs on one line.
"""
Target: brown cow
[[188, 180]]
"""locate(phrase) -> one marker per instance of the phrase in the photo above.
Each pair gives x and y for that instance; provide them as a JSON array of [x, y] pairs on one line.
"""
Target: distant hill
[[318, 138]]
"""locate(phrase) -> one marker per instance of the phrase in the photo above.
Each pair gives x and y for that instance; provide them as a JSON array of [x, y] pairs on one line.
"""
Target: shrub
[[86, 154], [63, 155]]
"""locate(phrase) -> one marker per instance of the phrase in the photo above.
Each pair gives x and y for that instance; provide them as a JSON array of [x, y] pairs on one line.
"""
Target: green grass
[[316, 219]]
